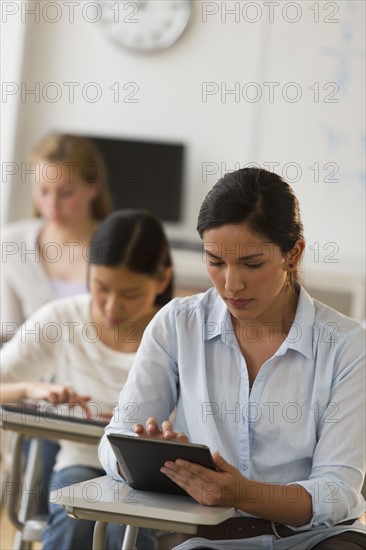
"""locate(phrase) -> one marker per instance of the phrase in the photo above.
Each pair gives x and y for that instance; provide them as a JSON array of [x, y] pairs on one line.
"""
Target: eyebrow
[[248, 257], [132, 289], [99, 282]]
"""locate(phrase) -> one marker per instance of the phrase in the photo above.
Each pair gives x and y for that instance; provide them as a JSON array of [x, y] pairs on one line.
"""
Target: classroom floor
[[7, 532]]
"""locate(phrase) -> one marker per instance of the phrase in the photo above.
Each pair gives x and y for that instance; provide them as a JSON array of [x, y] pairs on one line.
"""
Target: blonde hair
[[83, 156]]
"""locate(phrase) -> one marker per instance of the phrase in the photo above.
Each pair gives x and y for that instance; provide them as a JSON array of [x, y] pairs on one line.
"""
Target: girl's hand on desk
[[222, 488], [56, 394], [106, 416], [166, 432]]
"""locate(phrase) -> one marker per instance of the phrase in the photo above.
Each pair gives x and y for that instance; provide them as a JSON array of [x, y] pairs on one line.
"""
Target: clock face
[[145, 25]]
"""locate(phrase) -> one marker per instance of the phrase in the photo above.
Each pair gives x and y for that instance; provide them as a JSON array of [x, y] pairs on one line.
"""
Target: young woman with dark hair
[[263, 374], [88, 343]]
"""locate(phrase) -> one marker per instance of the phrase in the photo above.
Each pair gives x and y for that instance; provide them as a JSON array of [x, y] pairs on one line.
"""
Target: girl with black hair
[[88, 343]]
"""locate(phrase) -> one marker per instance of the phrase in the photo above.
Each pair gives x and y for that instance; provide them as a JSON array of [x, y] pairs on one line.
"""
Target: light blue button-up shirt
[[302, 422]]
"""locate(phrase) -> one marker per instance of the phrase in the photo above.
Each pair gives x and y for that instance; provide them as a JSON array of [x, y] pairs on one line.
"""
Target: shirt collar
[[299, 338], [218, 318]]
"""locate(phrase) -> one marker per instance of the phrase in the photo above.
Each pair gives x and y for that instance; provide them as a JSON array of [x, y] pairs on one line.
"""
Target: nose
[[233, 280], [53, 202], [113, 305]]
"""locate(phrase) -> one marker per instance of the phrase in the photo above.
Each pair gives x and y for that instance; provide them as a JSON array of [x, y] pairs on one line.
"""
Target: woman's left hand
[[221, 488]]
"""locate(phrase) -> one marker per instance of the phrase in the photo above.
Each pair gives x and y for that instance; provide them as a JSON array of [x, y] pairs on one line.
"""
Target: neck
[[279, 317], [124, 337], [80, 232]]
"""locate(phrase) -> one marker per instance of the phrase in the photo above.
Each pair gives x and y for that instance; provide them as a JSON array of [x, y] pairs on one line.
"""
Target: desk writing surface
[[106, 495], [43, 424]]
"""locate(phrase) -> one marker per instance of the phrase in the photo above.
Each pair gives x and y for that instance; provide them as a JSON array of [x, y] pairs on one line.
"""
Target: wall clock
[[143, 26]]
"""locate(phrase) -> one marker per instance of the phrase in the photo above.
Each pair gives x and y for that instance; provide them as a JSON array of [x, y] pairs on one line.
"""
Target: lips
[[113, 321], [239, 302]]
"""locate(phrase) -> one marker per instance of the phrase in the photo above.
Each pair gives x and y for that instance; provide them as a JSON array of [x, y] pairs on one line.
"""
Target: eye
[[132, 296], [66, 193], [102, 289], [215, 264], [255, 266]]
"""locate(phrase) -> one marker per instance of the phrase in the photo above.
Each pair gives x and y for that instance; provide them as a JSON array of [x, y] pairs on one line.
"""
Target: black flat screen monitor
[[145, 174]]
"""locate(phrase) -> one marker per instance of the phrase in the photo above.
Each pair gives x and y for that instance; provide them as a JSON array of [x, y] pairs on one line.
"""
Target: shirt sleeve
[[32, 352], [338, 465], [12, 315], [152, 385]]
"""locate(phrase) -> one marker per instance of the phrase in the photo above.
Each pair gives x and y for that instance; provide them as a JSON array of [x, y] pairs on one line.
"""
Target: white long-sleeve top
[[60, 339], [25, 285]]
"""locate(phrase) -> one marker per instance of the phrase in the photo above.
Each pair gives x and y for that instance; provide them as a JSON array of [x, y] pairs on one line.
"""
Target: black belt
[[244, 528]]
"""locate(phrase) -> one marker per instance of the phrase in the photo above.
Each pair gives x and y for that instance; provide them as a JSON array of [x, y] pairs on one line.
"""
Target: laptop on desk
[[41, 409]]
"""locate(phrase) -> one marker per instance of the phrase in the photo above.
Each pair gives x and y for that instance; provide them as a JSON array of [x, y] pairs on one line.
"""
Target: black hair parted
[[134, 239], [258, 198]]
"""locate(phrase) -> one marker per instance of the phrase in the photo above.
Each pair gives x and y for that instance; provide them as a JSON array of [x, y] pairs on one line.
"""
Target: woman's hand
[[152, 430], [221, 488], [289, 504], [166, 432], [57, 394]]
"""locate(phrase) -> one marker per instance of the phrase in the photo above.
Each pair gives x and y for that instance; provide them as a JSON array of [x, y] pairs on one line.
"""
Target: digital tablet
[[141, 459]]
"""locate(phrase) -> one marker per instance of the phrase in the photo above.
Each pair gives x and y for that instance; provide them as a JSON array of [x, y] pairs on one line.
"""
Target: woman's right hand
[[153, 430]]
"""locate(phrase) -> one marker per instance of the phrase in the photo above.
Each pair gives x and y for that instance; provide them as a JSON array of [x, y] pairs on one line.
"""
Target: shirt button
[[244, 465]]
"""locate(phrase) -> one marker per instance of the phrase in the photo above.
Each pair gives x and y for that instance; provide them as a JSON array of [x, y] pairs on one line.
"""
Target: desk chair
[[21, 504]]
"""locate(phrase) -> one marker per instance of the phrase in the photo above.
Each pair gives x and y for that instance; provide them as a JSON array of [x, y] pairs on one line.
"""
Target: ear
[[294, 256], [165, 279]]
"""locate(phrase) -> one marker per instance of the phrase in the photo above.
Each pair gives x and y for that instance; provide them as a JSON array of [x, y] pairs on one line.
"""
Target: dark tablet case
[[142, 458]]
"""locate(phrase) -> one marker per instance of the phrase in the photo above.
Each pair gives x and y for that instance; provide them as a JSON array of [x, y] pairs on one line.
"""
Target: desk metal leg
[[31, 480], [129, 541], [99, 535]]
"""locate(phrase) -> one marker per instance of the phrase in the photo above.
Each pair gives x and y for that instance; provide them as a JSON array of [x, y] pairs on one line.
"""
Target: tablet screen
[[141, 460]]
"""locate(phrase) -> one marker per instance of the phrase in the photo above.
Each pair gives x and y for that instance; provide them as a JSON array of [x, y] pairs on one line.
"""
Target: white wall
[[11, 59], [169, 97], [262, 43]]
